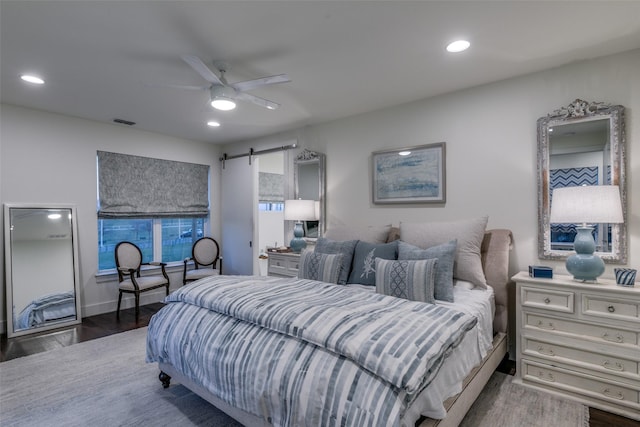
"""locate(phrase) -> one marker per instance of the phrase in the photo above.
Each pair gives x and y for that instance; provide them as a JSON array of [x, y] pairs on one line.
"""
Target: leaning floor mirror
[[41, 259]]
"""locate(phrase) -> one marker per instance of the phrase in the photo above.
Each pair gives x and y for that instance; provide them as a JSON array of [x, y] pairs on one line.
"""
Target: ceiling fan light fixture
[[223, 98]]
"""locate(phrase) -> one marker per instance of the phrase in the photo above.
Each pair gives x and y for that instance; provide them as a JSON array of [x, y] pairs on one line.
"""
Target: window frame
[[156, 235]]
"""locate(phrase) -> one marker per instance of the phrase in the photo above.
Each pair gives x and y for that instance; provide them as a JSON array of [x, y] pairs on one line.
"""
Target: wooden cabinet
[[580, 340], [283, 264]]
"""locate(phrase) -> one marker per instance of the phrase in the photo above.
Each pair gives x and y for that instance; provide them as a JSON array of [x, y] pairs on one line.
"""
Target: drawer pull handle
[[547, 300], [547, 352], [542, 325], [618, 395], [616, 366], [549, 377], [611, 309], [616, 338]]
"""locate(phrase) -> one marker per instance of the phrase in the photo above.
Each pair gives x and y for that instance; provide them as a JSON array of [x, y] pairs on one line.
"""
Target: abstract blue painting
[[409, 175]]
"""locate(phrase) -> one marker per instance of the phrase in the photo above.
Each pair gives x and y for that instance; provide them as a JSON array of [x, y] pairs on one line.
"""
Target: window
[[162, 206], [175, 234]]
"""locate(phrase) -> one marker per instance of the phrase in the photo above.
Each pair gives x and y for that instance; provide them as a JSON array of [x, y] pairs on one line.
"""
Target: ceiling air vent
[[124, 122]]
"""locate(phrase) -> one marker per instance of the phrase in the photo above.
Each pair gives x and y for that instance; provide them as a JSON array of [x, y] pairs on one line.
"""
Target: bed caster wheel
[[164, 379]]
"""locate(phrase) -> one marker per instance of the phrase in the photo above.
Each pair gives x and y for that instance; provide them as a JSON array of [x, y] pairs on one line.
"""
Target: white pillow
[[469, 233], [373, 234]]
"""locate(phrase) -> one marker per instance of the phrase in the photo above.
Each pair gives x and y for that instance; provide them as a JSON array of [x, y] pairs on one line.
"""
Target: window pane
[[113, 231], [178, 236]]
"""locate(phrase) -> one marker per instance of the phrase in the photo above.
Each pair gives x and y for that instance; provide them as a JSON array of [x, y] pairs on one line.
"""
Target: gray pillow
[[363, 268], [412, 280], [371, 234], [322, 267], [446, 255], [345, 248], [469, 233]]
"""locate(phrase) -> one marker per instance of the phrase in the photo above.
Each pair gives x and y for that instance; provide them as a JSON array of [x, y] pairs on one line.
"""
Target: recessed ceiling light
[[458, 46], [213, 124], [32, 79]]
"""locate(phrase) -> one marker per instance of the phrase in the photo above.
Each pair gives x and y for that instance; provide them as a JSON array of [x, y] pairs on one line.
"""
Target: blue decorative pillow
[[412, 280], [363, 268], [446, 255], [346, 248], [322, 267]]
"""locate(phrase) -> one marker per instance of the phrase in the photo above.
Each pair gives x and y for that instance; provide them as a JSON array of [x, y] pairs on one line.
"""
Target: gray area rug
[[105, 382]]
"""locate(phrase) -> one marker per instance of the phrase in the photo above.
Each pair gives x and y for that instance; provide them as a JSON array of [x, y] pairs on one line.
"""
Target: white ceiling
[[108, 59]]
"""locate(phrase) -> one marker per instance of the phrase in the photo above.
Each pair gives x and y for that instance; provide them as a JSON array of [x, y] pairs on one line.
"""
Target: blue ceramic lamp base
[[584, 265], [297, 244]]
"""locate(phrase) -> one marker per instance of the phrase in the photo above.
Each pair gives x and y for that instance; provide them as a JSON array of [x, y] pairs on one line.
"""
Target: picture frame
[[409, 175]]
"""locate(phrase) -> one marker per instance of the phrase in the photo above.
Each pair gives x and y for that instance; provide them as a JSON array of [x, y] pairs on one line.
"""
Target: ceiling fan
[[223, 94]]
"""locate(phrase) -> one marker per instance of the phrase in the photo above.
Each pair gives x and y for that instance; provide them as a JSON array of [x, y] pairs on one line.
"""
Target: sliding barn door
[[239, 194]]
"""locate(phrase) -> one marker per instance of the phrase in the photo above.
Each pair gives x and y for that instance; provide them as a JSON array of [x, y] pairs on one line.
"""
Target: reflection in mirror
[[41, 267], [581, 144], [309, 179]]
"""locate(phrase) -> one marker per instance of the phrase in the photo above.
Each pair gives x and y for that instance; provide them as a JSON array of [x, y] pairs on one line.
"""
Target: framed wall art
[[409, 175]]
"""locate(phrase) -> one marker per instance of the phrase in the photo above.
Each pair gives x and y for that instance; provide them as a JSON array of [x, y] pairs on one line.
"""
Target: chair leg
[[119, 301], [137, 294], [167, 291]]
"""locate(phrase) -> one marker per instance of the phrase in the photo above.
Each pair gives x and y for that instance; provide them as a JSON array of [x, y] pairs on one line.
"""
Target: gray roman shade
[[134, 186], [271, 187]]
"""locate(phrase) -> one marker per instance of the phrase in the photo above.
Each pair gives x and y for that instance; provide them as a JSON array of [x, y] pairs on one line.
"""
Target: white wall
[[490, 132], [50, 158]]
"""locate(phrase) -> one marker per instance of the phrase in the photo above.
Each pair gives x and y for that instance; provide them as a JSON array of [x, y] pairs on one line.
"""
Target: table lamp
[[593, 204], [299, 210]]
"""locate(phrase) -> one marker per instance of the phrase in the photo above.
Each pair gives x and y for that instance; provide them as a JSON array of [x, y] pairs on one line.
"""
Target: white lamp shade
[[594, 204], [299, 210]]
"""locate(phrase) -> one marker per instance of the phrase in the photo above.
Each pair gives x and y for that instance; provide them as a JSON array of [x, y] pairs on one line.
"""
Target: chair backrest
[[205, 251], [127, 255]]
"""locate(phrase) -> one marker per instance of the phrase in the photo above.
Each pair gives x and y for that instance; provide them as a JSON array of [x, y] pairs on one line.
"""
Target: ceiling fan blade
[[187, 87], [264, 81], [202, 69], [257, 100]]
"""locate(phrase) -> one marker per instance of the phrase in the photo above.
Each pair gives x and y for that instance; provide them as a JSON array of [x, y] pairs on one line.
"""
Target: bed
[[277, 351], [55, 307]]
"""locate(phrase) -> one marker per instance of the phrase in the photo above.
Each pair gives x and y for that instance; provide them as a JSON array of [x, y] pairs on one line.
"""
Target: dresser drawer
[[548, 299], [576, 356], [593, 331], [283, 265], [611, 308], [587, 385]]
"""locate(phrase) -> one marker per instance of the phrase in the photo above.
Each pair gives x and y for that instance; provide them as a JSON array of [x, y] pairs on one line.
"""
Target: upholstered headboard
[[495, 262]]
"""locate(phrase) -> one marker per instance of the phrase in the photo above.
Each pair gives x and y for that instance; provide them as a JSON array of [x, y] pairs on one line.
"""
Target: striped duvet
[[300, 352]]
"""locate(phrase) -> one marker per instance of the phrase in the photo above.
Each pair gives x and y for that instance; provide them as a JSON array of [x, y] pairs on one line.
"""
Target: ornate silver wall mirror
[[581, 144], [41, 258], [309, 177]]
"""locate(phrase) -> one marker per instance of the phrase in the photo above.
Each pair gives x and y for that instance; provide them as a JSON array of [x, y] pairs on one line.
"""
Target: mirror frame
[[9, 273], [310, 157], [576, 112]]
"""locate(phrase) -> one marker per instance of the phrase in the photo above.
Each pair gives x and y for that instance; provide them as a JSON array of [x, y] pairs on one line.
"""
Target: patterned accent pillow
[[363, 268], [345, 248], [321, 267], [446, 255], [412, 280]]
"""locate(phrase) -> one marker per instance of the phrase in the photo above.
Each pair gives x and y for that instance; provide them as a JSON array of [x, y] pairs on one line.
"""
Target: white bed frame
[[495, 261]]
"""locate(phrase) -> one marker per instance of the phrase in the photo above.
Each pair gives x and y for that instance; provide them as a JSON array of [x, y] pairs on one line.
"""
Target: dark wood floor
[[107, 324], [91, 328]]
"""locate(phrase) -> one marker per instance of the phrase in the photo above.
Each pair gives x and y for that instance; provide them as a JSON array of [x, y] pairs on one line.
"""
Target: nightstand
[[283, 264], [580, 341]]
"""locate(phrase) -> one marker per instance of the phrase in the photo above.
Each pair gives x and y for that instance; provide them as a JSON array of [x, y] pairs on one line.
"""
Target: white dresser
[[580, 340], [284, 264]]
